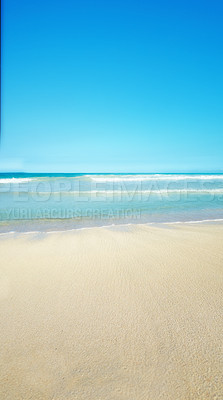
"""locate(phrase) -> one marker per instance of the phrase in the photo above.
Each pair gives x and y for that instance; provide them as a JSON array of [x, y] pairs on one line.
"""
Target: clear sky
[[112, 86]]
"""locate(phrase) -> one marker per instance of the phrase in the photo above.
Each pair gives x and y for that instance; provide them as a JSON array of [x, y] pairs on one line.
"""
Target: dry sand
[[113, 314]]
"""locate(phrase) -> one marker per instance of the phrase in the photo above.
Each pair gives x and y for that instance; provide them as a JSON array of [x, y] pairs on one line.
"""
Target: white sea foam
[[122, 178], [193, 222], [155, 177], [15, 180]]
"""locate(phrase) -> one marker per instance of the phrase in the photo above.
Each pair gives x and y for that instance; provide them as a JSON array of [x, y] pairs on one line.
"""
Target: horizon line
[[123, 173]]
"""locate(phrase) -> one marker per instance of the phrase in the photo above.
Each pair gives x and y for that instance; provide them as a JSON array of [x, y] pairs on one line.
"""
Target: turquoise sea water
[[48, 202]]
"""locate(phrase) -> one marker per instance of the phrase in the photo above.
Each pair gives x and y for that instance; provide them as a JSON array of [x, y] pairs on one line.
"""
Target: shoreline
[[216, 221]]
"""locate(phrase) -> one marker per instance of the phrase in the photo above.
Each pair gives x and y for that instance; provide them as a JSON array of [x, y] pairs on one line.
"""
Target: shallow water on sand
[[46, 202]]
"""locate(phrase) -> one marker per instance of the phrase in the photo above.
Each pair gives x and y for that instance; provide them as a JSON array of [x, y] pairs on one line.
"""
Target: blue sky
[[112, 86]]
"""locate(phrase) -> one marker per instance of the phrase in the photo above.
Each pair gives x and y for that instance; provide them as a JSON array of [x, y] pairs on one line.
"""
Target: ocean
[[55, 202]]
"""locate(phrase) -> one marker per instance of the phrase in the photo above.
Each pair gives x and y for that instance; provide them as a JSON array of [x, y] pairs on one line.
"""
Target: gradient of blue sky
[[112, 86]]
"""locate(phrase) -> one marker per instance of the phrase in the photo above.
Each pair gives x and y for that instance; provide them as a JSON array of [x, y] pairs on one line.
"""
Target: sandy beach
[[121, 313]]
